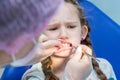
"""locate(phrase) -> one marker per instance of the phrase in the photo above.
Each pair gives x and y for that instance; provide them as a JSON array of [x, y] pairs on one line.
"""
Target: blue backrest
[[105, 34], [14, 73]]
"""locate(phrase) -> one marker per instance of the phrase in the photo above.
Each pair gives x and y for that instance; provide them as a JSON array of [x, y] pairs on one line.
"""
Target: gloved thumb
[[78, 53]]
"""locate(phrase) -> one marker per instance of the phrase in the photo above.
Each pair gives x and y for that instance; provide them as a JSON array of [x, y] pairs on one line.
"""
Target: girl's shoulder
[[106, 67], [34, 73], [103, 63]]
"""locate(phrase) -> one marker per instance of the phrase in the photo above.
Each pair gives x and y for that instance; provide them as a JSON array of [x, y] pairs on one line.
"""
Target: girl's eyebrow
[[67, 21]]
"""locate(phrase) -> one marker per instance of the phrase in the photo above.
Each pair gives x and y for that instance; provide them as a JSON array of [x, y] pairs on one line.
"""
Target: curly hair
[[47, 62]]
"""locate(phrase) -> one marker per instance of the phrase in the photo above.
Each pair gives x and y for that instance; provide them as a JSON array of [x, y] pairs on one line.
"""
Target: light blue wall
[[109, 7]]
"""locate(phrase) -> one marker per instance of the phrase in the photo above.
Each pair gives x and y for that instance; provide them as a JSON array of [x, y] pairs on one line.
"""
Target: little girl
[[72, 58]]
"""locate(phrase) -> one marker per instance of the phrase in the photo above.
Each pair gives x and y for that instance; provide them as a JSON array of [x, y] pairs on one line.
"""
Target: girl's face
[[65, 25]]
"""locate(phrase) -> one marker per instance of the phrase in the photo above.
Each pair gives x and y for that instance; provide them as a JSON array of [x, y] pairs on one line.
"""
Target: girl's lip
[[64, 49], [65, 42]]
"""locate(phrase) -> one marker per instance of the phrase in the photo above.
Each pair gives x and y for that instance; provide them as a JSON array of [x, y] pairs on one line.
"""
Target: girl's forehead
[[68, 12], [71, 7]]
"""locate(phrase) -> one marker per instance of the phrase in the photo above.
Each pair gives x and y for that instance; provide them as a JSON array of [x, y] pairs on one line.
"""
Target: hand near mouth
[[46, 47], [79, 64]]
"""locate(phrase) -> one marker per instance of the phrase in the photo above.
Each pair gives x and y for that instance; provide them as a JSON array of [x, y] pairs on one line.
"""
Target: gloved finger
[[86, 49], [50, 43], [85, 58], [42, 54], [78, 54], [45, 42], [42, 38]]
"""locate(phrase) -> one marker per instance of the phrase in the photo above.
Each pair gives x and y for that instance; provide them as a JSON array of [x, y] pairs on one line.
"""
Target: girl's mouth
[[64, 46]]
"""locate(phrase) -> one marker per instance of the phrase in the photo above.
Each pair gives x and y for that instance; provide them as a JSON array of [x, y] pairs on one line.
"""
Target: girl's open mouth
[[64, 46]]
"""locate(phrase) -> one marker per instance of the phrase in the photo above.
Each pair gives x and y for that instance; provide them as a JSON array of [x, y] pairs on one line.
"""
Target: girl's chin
[[62, 54]]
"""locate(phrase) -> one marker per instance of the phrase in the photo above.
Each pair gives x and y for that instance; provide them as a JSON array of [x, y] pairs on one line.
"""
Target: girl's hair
[[46, 64]]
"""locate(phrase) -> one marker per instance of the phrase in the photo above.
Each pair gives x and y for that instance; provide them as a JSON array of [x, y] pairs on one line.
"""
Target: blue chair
[[14, 73], [105, 34]]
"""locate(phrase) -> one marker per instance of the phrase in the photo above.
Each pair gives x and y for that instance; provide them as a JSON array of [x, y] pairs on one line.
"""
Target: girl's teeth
[[65, 45]]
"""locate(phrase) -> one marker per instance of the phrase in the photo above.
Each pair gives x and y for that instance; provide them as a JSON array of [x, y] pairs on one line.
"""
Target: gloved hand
[[79, 66], [46, 48]]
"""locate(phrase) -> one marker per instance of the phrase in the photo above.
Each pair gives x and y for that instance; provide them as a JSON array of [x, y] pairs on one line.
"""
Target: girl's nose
[[63, 33]]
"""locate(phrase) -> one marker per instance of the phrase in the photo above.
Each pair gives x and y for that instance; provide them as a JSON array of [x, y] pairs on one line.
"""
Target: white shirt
[[36, 73]]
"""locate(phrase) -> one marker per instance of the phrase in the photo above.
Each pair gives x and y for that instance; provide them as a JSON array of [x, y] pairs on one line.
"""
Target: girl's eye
[[53, 29], [71, 26]]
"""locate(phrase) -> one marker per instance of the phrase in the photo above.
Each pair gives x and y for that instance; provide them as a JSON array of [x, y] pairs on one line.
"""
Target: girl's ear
[[84, 32]]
